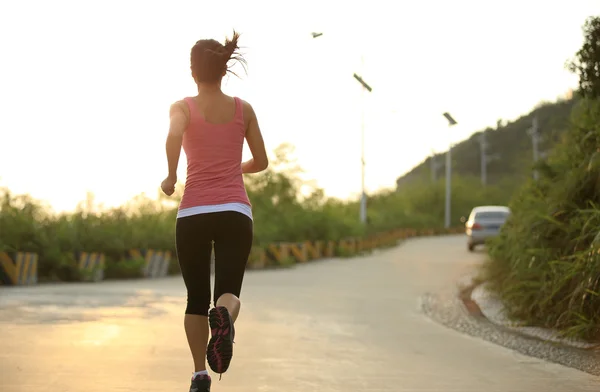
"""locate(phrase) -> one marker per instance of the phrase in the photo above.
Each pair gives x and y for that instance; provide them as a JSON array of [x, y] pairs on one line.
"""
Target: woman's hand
[[168, 185]]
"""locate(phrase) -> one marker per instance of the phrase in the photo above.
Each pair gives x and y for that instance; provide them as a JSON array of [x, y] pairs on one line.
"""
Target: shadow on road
[[76, 303]]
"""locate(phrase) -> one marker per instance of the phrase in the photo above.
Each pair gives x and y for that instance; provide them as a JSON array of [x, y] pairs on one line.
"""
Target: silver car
[[485, 222]]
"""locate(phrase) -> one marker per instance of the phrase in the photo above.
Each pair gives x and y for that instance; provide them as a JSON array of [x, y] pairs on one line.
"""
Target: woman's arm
[[259, 161], [177, 125]]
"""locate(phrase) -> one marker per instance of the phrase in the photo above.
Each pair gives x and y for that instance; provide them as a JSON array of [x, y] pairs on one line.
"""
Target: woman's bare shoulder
[[248, 109], [180, 105]]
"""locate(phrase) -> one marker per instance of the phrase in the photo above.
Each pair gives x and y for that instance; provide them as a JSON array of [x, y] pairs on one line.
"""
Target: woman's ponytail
[[230, 51]]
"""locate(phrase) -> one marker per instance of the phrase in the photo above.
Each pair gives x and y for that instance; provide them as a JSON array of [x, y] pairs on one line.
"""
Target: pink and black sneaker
[[220, 347], [200, 383]]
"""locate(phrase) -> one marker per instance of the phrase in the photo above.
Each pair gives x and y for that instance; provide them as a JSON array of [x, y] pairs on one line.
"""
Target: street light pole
[[363, 196], [447, 220], [448, 187]]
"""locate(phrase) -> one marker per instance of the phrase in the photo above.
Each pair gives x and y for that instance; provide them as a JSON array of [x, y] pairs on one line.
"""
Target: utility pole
[[435, 166], [483, 148], [534, 132], [484, 157]]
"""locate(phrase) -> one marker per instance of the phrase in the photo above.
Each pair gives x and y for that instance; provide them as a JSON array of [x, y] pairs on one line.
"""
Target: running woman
[[215, 208]]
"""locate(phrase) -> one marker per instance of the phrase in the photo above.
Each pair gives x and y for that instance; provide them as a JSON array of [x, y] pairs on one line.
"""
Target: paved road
[[335, 325]]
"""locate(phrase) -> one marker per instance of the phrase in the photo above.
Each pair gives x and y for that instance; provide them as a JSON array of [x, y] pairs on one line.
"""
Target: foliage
[[124, 269], [546, 263], [587, 59], [281, 213]]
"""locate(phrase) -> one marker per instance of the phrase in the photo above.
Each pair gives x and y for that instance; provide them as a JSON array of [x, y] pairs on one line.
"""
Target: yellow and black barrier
[[18, 268], [277, 254], [284, 253], [330, 249], [156, 262], [91, 265], [257, 259], [299, 252], [347, 247], [314, 249]]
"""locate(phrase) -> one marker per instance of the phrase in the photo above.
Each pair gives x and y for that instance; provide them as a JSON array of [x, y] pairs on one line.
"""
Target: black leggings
[[232, 234]]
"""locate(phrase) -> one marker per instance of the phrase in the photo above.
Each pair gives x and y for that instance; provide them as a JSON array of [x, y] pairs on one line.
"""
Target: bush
[[545, 263], [124, 269]]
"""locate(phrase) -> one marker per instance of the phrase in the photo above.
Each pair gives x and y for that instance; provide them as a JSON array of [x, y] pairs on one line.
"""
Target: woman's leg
[[233, 241], [231, 302], [194, 247]]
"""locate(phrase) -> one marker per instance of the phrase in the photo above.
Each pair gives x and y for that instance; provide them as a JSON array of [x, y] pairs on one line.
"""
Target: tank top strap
[[192, 110], [191, 105], [239, 109]]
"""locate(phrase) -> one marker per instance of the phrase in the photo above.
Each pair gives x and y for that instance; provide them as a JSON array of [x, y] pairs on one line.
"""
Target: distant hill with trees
[[509, 142]]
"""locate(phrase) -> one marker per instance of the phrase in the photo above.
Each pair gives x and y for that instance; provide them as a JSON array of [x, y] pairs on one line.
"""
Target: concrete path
[[335, 325]]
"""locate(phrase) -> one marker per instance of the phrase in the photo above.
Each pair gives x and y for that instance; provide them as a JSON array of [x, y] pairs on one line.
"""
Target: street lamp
[[451, 122], [363, 196], [362, 82]]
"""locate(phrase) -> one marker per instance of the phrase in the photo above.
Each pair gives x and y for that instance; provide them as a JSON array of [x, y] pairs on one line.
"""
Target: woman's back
[[213, 143]]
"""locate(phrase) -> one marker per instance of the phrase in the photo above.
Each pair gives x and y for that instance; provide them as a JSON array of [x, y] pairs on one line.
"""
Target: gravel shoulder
[[472, 310]]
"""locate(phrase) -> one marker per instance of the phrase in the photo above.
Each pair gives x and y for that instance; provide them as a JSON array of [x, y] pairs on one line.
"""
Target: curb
[[450, 310], [493, 310]]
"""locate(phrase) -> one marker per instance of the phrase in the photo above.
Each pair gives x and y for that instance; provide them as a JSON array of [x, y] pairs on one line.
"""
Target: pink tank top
[[214, 160]]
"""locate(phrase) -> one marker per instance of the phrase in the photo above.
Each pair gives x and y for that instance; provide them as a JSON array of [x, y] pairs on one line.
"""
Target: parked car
[[485, 222]]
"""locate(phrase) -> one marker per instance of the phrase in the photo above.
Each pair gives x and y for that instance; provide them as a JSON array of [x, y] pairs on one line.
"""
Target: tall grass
[[545, 264]]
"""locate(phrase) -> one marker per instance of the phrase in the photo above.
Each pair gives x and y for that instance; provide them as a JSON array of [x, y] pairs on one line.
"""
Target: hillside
[[510, 142]]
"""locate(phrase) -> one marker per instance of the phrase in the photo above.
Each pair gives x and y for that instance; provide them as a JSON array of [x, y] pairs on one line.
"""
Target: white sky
[[85, 86]]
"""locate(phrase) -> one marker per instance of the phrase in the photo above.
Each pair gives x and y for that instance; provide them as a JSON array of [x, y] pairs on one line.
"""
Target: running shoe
[[200, 383], [220, 347]]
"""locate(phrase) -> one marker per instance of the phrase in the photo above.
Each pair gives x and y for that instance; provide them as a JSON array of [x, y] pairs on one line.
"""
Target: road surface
[[335, 325]]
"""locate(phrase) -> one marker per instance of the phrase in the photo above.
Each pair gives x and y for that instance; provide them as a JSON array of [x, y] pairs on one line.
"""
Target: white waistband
[[238, 207]]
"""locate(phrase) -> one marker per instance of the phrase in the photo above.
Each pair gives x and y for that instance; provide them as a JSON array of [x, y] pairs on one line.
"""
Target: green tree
[[587, 60]]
